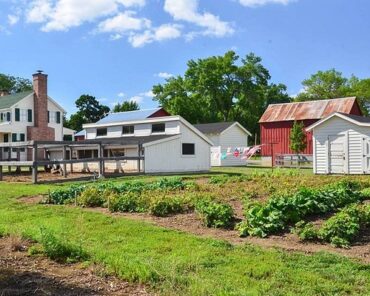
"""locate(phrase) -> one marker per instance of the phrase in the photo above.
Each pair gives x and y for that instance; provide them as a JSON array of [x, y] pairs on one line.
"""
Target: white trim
[[195, 130], [239, 125], [175, 137], [312, 126], [56, 104]]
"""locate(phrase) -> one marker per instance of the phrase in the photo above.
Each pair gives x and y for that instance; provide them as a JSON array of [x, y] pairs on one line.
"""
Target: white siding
[[339, 126], [233, 137], [167, 156], [58, 127]]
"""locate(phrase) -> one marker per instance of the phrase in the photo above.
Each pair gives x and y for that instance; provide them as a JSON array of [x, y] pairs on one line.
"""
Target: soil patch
[[21, 274]]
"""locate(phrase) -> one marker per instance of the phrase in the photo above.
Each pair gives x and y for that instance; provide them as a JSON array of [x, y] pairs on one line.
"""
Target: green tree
[[126, 106], [89, 111], [221, 88], [298, 141], [13, 84]]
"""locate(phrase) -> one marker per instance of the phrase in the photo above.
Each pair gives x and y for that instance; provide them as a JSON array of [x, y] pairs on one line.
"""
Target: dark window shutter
[[48, 116], [22, 137], [58, 117], [1, 116], [17, 114], [14, 137], [6, 138], [29, 113], [8, 116]]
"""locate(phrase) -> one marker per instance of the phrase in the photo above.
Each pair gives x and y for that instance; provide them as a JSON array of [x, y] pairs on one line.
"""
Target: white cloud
[[121, 95], [136, 99], [161, 33], [164, 75], [255, 3], [13, 19], [61, 15], [148, 94], [187, 10], [123, 22]]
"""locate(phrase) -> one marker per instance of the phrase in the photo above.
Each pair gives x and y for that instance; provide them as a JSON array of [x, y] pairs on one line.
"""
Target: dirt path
[[190, 223], [21, 274]]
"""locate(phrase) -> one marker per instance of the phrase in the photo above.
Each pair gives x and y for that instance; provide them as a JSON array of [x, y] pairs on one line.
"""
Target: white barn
[[225, 135], [169, 144], [341, 144]]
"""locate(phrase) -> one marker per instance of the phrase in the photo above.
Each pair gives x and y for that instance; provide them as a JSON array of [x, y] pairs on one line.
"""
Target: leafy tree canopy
[[126, 106], [89, 111], [221, 88], [13, 84]]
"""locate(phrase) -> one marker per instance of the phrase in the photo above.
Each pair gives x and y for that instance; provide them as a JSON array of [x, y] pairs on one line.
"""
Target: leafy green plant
[[92, 197], [215, 214], [61, 251], [163, 206], [280, 211], [128, 202], [342, 228], [63, 196], [305, 231]]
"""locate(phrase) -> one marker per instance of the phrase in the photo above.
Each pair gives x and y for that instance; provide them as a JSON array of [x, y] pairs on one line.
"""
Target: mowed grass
[[175, 263]]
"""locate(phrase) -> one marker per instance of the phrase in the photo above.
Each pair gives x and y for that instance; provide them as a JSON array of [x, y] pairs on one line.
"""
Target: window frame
[[159, 124], [130, 133], [102, 135], [187, 154]]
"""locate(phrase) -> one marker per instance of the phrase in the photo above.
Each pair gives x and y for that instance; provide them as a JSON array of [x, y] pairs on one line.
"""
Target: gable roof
[[128, 116], [218, 127], [307, 110], [356, 119], [10, 100]]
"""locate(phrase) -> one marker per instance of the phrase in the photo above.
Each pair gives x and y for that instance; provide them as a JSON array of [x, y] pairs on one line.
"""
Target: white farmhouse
[[341, 144], [168, 144], [30, 115], [226, 136]]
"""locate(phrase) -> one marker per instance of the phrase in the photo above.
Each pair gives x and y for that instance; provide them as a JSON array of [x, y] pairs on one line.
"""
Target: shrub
[[128, 202], [342, 228], [60, 251], [280, 211], [166, 205], [63, 196], [365, 193], [215, 214], [305, 231], [92, 197]]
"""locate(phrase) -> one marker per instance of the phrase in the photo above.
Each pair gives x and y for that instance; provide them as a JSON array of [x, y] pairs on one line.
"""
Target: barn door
[[366, 155], [337, 154]]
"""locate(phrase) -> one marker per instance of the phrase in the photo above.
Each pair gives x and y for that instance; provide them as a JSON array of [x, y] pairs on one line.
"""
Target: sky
[[117, 50]]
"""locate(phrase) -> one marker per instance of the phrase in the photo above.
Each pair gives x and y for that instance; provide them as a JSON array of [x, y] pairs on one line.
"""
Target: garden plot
[[274, 210]]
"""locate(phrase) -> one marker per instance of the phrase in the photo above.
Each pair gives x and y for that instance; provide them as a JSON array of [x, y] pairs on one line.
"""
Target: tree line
[[219, 88]]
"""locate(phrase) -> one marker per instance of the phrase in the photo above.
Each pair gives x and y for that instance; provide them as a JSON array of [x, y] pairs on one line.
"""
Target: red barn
[[278, 120]]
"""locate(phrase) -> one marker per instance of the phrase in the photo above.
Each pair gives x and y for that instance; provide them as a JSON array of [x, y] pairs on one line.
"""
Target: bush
[[342, 228], [305, 231], [166, 205], [63, 196], [215, 214], [365, 193], [92, 197], [60, 251], [129, 202], [280, 211]]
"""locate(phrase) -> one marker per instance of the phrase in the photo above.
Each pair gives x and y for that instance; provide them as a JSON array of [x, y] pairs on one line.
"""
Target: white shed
[[226, 136], [341, 144]]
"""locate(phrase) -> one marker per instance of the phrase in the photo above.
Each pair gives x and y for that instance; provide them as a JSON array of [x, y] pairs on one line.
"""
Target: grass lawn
[[176, 263]]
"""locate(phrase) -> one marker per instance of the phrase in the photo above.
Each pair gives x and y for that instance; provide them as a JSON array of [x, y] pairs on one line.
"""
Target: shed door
[[337, 156], [366, 154]]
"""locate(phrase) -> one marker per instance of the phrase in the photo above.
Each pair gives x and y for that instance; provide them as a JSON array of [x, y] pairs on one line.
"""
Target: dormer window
[[158, 128], [128, 130], [101, 132]]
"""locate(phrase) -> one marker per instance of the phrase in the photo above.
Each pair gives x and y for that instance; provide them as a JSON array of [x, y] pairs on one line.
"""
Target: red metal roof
[[307, 110]]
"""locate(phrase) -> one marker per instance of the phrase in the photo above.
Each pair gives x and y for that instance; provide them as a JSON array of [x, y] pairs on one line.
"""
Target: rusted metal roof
[[307, 110]]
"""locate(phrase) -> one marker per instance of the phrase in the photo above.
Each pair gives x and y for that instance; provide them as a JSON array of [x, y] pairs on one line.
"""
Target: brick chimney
[[40, 130], [4, 93]]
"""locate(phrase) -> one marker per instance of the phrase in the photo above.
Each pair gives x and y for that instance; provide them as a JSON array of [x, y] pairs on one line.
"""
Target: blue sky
[[117, 49]]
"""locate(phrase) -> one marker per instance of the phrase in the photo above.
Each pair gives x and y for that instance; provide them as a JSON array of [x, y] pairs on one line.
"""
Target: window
[[158, 128], [52, 117], [101, 132], [6, 138], [5, 116], [128, 130], [23, 115], [188, 149]]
